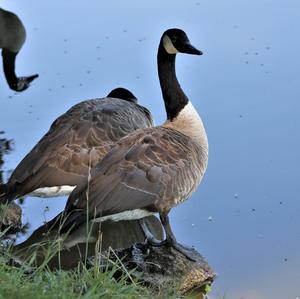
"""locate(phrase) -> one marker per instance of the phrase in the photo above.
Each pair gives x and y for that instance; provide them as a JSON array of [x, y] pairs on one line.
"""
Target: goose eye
[[174, 39]]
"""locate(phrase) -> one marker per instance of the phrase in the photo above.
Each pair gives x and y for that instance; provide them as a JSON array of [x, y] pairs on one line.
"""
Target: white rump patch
[[52, 191], [126, 215], [168, 45]]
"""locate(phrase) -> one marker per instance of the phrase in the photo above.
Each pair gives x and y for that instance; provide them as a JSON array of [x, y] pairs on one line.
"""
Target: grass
[[18, 282], [61, 284], [82, 282], [27, 281], [32, 279]]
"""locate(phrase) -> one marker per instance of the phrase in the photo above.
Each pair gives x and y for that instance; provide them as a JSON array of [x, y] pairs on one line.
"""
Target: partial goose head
[[12, 38], [122, 93], [125, 94], [181, 114]]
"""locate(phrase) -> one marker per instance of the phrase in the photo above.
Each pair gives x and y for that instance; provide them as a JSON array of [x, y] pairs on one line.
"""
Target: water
[[244, 216]]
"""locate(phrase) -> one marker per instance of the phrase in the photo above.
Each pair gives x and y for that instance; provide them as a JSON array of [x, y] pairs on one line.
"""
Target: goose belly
[[52, 191]]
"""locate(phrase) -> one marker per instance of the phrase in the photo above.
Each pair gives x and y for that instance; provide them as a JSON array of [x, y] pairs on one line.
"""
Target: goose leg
[[187, 251], [150, 239], [170, 238]]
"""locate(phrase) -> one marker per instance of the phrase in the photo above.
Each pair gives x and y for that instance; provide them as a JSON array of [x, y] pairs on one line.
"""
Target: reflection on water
[[12, 38]]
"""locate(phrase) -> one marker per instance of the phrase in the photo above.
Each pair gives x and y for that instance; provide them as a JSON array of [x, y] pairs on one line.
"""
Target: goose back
[[75, 142]]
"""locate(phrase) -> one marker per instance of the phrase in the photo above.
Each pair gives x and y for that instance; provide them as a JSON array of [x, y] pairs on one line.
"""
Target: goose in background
[[152, 169], [75, 143], [12, 38]]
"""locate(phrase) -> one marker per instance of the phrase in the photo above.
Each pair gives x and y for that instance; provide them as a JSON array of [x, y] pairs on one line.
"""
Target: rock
[[158, 267]]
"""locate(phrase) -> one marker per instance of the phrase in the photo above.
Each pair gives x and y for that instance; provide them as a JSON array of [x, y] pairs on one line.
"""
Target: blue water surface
[[244, 218]]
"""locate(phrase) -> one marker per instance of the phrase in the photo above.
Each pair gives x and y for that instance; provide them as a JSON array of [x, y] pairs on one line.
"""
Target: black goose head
[[122, 93], [176, 41]]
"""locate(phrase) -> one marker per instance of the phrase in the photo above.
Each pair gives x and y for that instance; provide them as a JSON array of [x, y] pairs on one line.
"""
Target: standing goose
[[12, 38], [153, 169], [75, 142]]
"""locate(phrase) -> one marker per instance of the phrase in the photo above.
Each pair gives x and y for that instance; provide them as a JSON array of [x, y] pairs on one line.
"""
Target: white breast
[[189, 123]]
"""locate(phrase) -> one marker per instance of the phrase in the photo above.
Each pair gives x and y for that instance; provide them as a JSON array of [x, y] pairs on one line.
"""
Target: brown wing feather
[[150, 169], [76, 141]]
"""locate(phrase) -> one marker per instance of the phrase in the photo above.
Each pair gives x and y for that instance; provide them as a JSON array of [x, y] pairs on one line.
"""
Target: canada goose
[[75, 142], [152, 169], [12, 38]]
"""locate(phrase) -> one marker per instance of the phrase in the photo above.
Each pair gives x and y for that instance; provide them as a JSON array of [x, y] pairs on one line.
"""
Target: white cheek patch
[[168, 45]]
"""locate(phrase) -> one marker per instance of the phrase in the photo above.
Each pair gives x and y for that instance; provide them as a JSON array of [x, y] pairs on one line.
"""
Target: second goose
[[75, 142]]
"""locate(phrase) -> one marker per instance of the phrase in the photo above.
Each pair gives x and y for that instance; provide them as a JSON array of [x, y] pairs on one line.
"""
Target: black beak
[[189, 49], [31, 78]]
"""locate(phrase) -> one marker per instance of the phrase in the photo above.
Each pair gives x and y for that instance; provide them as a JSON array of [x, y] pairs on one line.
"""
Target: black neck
[[173, 95], [9, 59]]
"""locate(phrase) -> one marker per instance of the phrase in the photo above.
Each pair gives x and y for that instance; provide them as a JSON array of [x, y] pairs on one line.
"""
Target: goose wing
[[76, 141], [151, 169]]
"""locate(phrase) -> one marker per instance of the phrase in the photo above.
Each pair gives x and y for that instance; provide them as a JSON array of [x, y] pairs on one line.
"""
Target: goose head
[[176, 41], [181, 115]]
